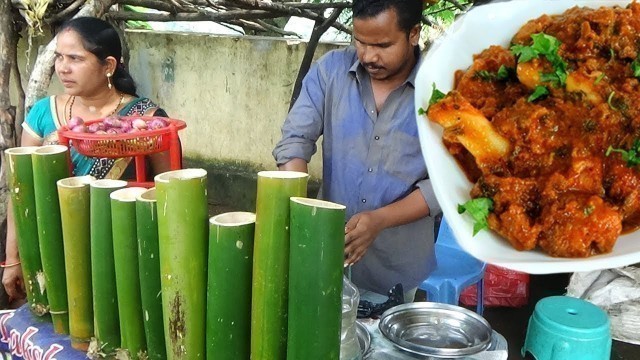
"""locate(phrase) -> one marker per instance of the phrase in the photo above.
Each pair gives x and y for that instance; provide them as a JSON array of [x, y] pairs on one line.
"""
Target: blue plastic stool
[[455, 271], [567, 328]]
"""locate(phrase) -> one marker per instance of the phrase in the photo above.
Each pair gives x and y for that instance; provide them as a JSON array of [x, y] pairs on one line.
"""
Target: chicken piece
[[515, 207], [585, 175], [483, 85], [579, 225], [466, 125], [623, 187]]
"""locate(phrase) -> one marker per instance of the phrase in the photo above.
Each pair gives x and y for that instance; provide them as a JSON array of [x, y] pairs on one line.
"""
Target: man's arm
[[295, 164], [363, 228]]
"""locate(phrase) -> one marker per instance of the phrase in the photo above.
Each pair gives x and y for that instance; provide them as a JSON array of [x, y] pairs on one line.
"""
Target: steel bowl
[[364, 338], [436, 330]]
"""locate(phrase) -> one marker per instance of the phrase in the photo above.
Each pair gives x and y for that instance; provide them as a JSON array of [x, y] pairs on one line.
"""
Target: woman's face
[[79, 71]]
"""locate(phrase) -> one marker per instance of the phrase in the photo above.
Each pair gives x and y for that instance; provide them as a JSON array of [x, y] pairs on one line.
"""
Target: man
[[361, 100]]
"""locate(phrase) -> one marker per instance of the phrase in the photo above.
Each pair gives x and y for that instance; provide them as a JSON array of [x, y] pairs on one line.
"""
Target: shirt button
[[377, 137], [370, 169], [364, 201]]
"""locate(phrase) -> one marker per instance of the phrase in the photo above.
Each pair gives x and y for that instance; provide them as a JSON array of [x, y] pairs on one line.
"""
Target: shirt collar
[[359, 71]]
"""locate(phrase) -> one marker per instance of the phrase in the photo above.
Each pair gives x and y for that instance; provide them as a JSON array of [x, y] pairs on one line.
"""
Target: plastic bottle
[[349, 347]]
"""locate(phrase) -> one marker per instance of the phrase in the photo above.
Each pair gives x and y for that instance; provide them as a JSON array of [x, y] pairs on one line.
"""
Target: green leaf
[[631, 156], [478, 209], [635, 66], [436, 95], [421, 111], [524, 53], [484, 75], [610, 100], [503, 73], [538, 92], [545, 44]]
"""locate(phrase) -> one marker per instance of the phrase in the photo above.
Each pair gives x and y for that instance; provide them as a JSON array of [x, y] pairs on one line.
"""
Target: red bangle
[[5, 265]]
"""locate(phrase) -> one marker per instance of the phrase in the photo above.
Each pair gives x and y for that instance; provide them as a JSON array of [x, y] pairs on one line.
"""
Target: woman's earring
[[109, 80]]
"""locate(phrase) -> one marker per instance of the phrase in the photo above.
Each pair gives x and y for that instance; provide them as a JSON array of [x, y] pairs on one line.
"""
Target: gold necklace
[[72, 99]]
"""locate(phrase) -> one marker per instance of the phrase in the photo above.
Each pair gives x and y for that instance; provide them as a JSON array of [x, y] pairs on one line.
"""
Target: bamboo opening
[[283, 174], [317, 203], [236, 218], [148, 196], [108, 183], [76, 181], [127, 194], [184, 174], [50, 150], [22, 150]]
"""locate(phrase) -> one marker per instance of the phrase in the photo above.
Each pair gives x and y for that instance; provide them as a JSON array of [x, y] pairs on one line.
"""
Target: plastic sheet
[[349, 346], [617, 292]]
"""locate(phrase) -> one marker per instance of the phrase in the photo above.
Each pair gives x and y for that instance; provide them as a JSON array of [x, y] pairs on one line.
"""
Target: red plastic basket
[[122, 145]]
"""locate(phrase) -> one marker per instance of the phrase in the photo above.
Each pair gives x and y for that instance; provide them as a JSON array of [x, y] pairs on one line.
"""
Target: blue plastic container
[[567, 328]]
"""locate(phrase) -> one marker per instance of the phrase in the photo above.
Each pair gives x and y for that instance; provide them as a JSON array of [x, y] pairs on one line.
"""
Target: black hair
[[409, 12], [102, 40]]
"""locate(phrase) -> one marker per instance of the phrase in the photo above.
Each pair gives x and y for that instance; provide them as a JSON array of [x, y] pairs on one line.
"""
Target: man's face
[[383, 48]]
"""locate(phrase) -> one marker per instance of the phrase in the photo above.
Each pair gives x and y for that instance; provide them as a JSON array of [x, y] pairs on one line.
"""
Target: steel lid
[[437, 330]]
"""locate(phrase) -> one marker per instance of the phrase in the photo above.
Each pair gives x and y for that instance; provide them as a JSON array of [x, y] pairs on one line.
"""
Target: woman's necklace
[[72, 99]]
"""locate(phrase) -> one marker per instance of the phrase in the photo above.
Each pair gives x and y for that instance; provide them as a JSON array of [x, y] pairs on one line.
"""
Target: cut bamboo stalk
[[229, 288], [182, 233], [149, 264], [23, 201], [315, 279], [271, 262], [74, 193], [50, 164], [103, 276], [125, 258]]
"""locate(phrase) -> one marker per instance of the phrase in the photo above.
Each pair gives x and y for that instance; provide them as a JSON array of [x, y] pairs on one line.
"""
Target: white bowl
[[493, 24]]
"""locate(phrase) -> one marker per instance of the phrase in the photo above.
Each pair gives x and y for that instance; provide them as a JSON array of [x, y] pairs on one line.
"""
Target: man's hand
[[13, 282], [360, 232]]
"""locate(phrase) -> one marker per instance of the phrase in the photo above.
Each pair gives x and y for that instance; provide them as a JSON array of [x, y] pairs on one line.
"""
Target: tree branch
[[316, 34], [66, 12], [456, 4], [211, 16], [154, 4]]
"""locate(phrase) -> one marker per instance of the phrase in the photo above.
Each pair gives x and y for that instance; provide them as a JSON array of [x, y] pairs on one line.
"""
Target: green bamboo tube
[[315, 279], [103, 276], [50, 164], [182, 233], [229, 289], [73, 194], [23, 201], [125, 258], [149, 264], [271, 262]]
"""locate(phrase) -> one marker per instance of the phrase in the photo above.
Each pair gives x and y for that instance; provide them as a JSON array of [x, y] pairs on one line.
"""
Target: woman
[[96, 85]]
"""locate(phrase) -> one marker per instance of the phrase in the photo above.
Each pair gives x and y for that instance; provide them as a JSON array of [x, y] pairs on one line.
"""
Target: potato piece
[[529, 73], [579, 82], [467, 125]]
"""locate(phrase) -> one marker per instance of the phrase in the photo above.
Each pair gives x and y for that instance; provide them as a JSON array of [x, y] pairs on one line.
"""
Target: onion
[[114, 131], [79, 128], [95, 127], [126, 125], [157, 123], [74, 121], [139, 124], [133, 130], [112, 122], [100, 132]]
